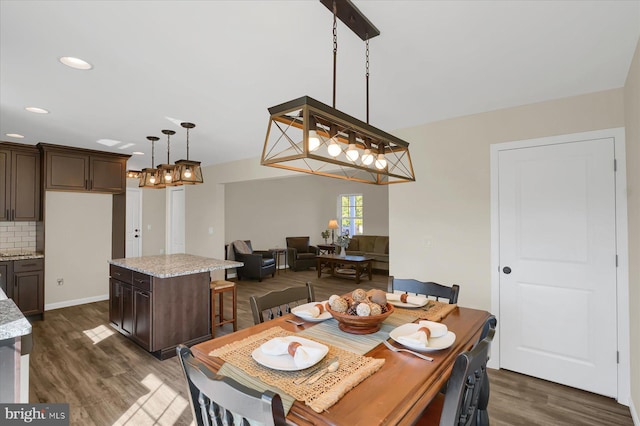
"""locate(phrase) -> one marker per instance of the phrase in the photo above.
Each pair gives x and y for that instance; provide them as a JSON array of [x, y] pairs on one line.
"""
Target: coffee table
[[362, 266]]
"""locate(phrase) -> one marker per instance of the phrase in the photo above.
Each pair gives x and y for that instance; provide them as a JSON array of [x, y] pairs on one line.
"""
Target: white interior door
[[557, 278], [175, 219], [133, 243]]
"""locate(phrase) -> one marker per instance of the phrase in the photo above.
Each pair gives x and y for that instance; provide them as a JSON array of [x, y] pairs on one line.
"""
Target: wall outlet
[[211, 230], [60, 281]]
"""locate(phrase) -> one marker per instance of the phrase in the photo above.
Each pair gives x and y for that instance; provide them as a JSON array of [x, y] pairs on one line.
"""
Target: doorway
[[133, 240], [558, 235], [175, 220]]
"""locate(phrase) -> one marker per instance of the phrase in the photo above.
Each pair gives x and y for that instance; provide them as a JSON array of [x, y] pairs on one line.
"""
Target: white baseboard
[[634, 412], [75, 302]]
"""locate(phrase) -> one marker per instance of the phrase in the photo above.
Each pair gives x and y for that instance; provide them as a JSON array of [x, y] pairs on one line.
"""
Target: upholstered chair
[[257, 263], [300, 253]]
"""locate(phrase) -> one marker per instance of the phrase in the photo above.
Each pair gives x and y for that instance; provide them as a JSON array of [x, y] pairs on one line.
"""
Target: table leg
[[370, 268], [357, 273], [319, 267]]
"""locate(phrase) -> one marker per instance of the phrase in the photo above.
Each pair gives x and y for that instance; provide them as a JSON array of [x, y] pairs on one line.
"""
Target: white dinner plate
[[400, 304], [435, 343], [285, 362], [323, 316]]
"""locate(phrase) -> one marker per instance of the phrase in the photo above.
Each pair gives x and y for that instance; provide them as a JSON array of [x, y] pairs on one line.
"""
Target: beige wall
[[78, 247], [267, 211], [440, 225], [632, 122]]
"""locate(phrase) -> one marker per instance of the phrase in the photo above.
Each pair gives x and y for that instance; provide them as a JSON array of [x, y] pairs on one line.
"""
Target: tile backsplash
[[17, 235]]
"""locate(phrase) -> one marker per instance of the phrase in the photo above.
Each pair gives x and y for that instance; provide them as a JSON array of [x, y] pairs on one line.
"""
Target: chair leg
[[221, 309], [234, 294], [213, 313]]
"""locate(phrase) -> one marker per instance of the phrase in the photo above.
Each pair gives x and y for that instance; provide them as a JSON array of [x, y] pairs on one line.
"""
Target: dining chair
[[425, 288], [460, 404], [217, 399], [274, 301], [482, 415]]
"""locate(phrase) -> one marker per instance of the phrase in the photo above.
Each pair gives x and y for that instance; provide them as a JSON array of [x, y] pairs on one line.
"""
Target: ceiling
[[221, 64]]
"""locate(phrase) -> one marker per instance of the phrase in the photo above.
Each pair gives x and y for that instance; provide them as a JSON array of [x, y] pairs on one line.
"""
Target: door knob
[[135, 236], [506, 270]]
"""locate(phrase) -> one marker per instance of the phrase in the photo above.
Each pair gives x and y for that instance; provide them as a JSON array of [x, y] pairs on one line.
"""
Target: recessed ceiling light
[[15, 135], [126, 145], [137, 153], [37, 110], [108, 142], [76, 63]]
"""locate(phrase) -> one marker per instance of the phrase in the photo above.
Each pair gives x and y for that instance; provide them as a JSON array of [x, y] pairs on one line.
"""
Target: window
[[351, 214]]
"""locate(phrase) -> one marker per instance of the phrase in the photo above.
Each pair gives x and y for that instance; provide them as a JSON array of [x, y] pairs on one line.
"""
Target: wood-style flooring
[[107, 380]]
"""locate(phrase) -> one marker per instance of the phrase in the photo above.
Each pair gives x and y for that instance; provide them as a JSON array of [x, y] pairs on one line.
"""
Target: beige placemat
[[432, 311], [319, 396]]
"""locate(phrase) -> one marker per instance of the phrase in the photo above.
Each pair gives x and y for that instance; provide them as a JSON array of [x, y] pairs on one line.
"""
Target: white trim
[[75, 302], [622, 235]]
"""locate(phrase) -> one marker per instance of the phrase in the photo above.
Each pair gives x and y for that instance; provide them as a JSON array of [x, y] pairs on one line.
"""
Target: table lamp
[[333, 224]]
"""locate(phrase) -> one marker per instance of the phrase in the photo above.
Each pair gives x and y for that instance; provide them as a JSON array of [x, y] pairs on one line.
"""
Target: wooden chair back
[[217, 399], [465, 384], [482, 415], [273, 302], [425, 288]]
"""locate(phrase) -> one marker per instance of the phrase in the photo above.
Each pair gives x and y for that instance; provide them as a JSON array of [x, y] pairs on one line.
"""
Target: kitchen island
[[162, 301], [15, 345]]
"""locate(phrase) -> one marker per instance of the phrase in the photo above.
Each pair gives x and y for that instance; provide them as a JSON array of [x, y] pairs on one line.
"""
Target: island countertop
[[12, 322], [174, 265]]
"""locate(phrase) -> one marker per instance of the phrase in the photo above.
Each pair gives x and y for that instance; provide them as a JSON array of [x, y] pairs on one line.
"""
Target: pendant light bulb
[[187, 173], [152, 179], [333, 149], [381, 162], [367, 157], [314, 140]]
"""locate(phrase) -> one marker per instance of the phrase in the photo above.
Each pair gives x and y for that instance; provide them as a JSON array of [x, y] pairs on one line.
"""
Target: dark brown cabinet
[[130, 305], [20, 188], [6, 272], [73, 169], [160, 313], [28, 286]]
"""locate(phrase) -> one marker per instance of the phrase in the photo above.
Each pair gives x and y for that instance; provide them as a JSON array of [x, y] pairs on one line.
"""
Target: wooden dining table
[[396, 394]]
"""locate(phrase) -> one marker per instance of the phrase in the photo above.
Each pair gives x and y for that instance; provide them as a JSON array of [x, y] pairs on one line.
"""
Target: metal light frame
[[149, 177], [187, 172], [288, 142], [166, 171]]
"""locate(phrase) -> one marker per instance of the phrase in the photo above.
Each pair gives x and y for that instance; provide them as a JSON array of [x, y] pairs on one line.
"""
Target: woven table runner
[[328, 331], [432, 311], [319, 396]]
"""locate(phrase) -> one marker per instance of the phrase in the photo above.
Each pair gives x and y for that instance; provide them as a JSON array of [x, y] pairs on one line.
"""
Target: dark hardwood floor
[[106, 379]]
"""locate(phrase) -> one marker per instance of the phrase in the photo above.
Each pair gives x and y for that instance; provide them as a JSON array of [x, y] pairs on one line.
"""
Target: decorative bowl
[[355, 324]]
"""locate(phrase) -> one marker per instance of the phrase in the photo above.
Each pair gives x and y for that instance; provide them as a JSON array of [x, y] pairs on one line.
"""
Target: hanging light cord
[[153, 161], [187, 143], [335, 50], [367, 73], [168, 149]]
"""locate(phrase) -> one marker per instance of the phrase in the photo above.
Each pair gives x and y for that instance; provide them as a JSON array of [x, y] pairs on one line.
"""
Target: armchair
[[257, 263], [300, 254]]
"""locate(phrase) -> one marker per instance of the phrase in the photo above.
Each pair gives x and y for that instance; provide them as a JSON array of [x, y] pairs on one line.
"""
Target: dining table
[[396, 394]]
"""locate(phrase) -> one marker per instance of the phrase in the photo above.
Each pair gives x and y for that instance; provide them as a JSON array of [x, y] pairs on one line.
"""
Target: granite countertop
[[20, 255], [12, 322], [174, 265]]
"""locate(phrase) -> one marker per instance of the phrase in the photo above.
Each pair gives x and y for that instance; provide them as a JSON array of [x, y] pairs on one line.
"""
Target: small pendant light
[[166, 171], [149, 177], [187, 172]]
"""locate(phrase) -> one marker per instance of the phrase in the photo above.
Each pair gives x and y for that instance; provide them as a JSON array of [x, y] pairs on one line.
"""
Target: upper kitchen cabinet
[[83, 170], [20, 187]]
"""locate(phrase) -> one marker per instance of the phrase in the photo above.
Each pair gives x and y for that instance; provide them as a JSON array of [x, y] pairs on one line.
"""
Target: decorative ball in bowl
[[356, 324]]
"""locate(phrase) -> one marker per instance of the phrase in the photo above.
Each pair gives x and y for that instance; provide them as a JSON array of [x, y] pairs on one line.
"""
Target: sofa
[[374, 246]]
